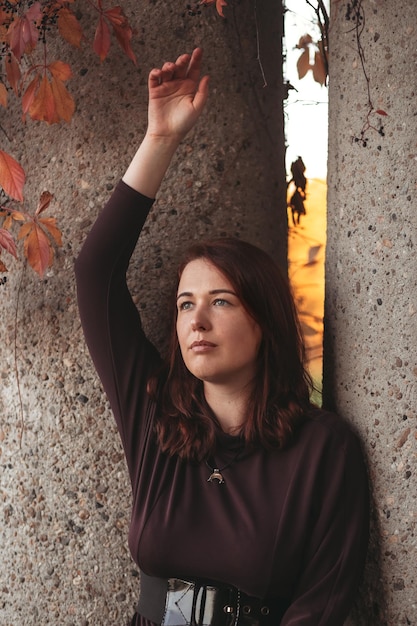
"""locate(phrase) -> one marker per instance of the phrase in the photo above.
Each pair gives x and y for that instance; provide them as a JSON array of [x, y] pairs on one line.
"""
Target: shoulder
[[325, 429]]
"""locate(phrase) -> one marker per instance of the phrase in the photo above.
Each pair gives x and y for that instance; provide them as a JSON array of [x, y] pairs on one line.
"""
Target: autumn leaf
[[12, 176], [219, 5], [44, 202], [29, 95], [381, 112], [43, 105], [121, 29], [60, 70], [3, 95], [23, 32], [11, 215], [50, 224], [37, 249], [64, 102], [69, 27], [3, 268], [303, 63], [13, 72], [319, 70], [7, 242], [101, 44]]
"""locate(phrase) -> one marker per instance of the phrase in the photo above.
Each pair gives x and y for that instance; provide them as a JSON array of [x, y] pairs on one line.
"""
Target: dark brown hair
[[282, 387]]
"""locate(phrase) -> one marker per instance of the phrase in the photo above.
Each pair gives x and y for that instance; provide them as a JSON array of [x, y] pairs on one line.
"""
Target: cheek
[[180, 334]]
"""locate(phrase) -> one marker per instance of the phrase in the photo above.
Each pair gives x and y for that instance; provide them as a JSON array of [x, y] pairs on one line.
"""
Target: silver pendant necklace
[[216, 472]]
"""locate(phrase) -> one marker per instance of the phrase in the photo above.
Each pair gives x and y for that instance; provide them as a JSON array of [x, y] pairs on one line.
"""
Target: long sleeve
[[122, 355], [334, 557]]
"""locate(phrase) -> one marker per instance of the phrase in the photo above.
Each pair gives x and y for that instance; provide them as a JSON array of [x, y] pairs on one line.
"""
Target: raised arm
[[177, 96], [122, 355]]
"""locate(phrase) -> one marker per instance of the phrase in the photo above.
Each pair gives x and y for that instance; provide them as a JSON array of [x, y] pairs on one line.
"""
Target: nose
[[200, 320]]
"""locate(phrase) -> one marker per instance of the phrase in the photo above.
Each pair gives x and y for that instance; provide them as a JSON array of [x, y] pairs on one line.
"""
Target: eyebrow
[[211, 293]]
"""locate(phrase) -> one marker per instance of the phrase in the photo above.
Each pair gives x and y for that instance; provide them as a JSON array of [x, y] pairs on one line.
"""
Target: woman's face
[[219, 340]]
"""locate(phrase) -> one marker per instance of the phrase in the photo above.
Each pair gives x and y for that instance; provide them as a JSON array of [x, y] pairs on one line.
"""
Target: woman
[[250, 506]]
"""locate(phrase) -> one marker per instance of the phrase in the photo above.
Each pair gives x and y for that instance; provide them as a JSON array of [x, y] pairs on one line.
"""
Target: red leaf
[[219, 5], [29, 95], [44, 202], [69, 27], [43, 105], [64, 102], [3, 95], [60, 70], [37, 249], [7, 242], [101, 45], [23, 32], [381, 112], [122, 30], [12, 176], [13, 72]]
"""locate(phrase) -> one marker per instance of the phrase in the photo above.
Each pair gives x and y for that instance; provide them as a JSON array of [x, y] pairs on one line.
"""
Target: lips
[[202, 346]]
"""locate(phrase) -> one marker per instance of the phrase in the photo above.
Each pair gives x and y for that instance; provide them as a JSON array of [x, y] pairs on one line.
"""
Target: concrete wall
[[371, 286], [64, 493]]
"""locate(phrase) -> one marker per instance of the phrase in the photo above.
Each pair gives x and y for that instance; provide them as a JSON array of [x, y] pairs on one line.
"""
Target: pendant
[[216, 475]]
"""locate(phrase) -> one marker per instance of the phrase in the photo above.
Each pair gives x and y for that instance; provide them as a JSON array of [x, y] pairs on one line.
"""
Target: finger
[[154, 78], [167, 71], [201, 95], [194, 67], [181, 65]]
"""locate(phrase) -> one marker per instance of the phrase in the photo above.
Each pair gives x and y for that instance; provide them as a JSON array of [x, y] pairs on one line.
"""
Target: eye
[[184, 305], [220, 302]]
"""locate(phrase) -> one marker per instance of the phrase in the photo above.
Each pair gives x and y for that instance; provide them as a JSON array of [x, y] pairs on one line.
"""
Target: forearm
[[150, 163]]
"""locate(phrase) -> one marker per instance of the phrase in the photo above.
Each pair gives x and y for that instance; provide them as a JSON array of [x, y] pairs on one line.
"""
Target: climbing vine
[[27, 72], [356, 15]]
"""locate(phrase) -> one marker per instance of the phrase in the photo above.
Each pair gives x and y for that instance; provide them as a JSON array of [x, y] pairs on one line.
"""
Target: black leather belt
[[176, 602]]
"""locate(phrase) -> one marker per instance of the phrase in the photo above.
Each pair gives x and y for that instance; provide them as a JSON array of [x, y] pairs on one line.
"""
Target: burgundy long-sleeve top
[[292, 523]]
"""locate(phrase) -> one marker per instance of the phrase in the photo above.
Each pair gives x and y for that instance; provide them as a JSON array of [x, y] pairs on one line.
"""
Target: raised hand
[[177, 96]]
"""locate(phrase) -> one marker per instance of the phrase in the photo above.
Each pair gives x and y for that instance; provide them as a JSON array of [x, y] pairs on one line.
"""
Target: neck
[[229, 407]]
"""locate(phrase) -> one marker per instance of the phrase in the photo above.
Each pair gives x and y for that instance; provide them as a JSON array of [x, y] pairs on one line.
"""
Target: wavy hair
[[282, 386]]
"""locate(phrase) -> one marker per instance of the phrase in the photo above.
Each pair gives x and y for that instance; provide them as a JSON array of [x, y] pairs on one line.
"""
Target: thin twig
[[19, 393], [258, 49]]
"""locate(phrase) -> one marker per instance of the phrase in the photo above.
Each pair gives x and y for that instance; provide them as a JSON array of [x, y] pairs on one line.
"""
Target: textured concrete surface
[[371, 286], [64, 493]]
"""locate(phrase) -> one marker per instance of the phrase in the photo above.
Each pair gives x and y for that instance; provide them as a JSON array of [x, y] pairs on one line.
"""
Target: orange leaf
[[303, 63], [50, 224], [12, 176], [3, 95], [3, 268], [7, 242], [43, 105], [29, 95], [44, 202], [37, 249], [101, 45], [13, 72], [60, 70], [219, 5], [64, 103], [304, 42], [25, 230], [319, 71], [8, 222], [381, 112], [69, 27], [121, 29], [23, 32]]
